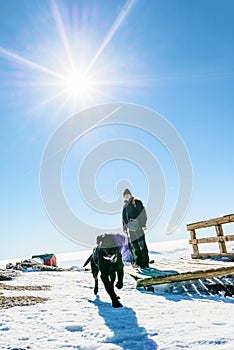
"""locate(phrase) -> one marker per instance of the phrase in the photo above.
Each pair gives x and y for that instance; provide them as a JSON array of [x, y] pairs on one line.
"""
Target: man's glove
[[119, 285]]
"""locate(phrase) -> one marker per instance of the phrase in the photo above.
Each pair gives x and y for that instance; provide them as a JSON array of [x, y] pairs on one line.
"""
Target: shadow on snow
[[189, 290], [126, 331]]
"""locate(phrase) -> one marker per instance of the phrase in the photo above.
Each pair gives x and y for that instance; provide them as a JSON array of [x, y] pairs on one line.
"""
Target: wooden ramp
[[179, 271]]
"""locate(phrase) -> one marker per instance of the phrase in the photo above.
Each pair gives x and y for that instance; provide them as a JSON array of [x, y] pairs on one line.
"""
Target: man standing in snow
[[134, 223]]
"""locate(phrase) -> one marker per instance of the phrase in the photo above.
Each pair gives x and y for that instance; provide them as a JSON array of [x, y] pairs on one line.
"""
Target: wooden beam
[[213, 222], [186, 276], [213, 255], [222, 244], [195, 246], [227, 238]]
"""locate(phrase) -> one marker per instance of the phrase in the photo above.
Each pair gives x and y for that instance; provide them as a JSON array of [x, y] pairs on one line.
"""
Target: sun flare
[[77, 79], [78, 84]]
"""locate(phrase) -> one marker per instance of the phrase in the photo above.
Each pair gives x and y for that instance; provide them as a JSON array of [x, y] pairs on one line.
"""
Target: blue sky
[[176, 57]]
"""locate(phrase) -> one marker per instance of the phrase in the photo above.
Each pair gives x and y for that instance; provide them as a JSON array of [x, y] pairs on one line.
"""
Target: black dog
[[107, 259]]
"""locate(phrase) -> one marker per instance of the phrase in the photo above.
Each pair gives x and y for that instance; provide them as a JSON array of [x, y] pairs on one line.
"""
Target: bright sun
[[78, 84], [75, 84]]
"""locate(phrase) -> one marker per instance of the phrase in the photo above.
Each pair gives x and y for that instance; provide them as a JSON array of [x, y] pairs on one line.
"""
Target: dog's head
[[108, 246]]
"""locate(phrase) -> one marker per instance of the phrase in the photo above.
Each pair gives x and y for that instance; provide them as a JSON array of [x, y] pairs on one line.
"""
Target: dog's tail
[[88, 260]]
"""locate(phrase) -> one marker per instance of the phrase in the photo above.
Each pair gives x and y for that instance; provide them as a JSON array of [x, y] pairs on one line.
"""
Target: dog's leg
[[96, 286], [110, 290], [112, 278], [95, 276], [120, 274]]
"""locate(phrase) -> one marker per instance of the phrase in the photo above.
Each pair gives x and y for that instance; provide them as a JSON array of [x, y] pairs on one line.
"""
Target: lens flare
[[76, 78], [78, 84]]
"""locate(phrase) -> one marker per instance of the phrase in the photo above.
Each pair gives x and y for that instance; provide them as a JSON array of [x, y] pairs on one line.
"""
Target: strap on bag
[[133, 224]]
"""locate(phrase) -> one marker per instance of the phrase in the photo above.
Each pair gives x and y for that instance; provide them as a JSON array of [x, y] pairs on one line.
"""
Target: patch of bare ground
[[4, 286], [7, 302]]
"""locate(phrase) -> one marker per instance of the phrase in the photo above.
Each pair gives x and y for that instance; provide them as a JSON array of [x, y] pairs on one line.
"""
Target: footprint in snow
[[5, 329], [74, 328]]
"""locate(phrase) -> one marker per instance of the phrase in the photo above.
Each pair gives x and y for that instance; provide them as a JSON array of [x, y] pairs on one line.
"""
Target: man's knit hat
[[127, 191]]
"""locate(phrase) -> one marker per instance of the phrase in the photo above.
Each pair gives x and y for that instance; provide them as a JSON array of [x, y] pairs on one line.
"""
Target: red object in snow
[[48, 259]]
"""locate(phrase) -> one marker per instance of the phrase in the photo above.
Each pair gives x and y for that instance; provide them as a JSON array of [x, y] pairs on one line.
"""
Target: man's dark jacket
[[134, 209]]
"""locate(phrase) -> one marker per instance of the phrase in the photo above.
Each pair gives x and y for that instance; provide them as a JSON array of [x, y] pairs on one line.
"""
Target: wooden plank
[[182, 270], [222, 244], [223, 271], [212, 222], [190, 265], [227, 238], [207, 263], [213, 255]]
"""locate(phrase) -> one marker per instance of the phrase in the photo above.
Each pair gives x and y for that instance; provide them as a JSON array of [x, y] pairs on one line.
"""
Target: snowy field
[[73, 318]]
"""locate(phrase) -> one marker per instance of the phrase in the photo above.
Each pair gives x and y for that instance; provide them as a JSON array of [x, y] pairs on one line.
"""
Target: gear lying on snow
[[7, 275], [31, 265]]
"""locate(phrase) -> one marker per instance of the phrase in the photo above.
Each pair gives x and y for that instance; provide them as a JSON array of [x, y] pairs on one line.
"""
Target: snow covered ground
[[73, 318]]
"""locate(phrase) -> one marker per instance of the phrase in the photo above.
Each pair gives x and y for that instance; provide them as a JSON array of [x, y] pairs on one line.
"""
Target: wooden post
[[222, 244], [195, 246]]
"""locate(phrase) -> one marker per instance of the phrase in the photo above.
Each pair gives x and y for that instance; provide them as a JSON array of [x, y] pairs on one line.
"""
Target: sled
[[179, 271]]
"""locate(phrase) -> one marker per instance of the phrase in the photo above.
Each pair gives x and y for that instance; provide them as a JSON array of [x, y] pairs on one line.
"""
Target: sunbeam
[[74, 80], [125, 11], [27, 62], [62, 33]]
